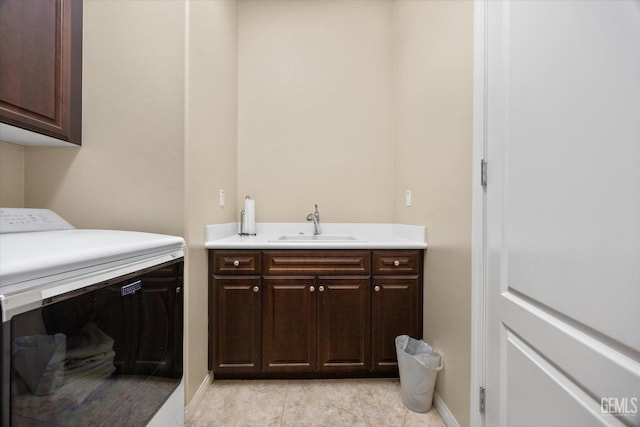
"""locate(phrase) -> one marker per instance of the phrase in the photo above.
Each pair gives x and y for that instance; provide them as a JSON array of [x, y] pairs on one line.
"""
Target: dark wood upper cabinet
[[41, 67]]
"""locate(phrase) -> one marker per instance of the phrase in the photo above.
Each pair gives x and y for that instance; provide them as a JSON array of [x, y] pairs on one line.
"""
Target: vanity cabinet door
[[316, 324], [289, 324], [344, 339], [396, 310], [235, 325]]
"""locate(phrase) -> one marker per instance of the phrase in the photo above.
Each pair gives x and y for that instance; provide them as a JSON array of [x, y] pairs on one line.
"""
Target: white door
[[562, 213]]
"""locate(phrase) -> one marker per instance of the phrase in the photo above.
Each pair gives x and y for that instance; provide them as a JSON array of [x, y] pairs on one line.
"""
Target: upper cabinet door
[[41, 69]]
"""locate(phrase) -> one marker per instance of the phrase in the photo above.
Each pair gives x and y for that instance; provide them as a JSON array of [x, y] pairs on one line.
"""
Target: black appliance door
[[107, 354]]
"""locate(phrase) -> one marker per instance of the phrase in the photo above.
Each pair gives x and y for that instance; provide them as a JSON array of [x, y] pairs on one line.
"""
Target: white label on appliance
[[131, 288]]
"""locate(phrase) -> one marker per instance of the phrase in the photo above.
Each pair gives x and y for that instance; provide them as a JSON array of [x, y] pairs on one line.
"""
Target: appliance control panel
[[20, 220]]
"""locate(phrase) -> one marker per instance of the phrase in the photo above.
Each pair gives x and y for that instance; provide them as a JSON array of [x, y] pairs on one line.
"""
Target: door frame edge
[[478, 216]]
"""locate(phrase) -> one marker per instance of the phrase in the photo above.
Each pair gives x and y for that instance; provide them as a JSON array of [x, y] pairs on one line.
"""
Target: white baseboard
[[197, 398], [444, 412]]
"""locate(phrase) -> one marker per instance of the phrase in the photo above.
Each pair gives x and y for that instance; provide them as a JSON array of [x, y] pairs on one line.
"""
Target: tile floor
[[351, 402]]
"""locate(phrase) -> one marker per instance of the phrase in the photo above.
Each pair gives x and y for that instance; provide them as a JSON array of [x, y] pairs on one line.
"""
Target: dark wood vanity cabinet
[[311, 313], [41, 66]]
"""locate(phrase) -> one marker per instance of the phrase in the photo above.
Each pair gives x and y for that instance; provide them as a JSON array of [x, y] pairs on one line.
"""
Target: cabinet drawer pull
[[376, 288], [311, 289], [236, 263], [321, 288], [256, 289], [396, 263]]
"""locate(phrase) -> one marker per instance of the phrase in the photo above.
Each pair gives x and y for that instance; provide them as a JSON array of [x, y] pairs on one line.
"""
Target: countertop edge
[[305, 246], [368, 236]]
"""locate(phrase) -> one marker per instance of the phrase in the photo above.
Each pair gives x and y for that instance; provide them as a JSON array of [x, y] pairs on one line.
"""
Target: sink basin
[[306, 238]]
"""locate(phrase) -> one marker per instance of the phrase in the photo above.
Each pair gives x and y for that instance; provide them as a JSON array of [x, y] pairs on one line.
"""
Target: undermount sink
[[305, 238]]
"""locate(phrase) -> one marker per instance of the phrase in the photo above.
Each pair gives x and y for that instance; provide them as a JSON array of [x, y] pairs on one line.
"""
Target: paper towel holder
[[243, 222]]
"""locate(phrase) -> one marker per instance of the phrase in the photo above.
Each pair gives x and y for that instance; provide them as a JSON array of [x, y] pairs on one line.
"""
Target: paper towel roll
[[250, 215]]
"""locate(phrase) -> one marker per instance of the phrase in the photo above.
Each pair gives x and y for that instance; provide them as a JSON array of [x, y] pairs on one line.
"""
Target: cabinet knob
[[396, 263], [311, 289], [236, 263], [376, 288], [256, 289], [321, 288]]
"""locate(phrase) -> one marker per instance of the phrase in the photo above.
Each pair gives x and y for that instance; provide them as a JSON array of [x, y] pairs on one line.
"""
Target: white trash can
[[418, 364]]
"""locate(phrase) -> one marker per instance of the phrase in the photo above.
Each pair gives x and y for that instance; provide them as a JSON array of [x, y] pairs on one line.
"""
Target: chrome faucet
[[315, 217]]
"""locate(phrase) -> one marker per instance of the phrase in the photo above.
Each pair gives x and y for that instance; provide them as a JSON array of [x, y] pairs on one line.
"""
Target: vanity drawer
[[397, 262], [316, 262], [236, 262]]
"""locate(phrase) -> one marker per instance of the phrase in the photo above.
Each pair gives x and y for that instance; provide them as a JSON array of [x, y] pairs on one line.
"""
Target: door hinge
[[481, 399], [483, 173]]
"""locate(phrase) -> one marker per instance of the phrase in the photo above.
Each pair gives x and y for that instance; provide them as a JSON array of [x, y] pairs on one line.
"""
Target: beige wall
[[314, 109], [11, 175], [345, 104], [211, 159], [129, 173], [157, 143], [348, 104], [433, 63]]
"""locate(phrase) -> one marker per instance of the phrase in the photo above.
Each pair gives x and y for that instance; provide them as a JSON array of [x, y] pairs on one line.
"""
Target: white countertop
[[363, 236]]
